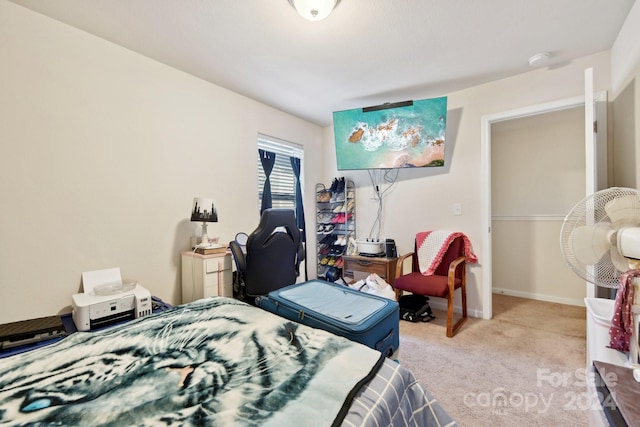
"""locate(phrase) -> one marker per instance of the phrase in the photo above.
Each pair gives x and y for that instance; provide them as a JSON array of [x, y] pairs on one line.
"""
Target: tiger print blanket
[[214, 362]]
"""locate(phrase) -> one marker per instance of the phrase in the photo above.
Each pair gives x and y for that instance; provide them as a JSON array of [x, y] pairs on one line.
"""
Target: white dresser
[[206, 276]]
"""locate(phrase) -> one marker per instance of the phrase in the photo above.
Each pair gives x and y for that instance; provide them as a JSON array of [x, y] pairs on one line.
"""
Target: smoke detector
[[539, 59]]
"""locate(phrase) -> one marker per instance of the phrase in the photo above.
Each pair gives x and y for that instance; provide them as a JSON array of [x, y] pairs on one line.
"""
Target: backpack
[[415, 308]]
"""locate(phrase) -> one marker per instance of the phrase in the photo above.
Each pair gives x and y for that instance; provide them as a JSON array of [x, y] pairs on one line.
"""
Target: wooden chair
[[448, 276]]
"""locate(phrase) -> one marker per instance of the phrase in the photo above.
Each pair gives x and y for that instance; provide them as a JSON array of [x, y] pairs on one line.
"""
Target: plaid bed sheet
[[395, 398]]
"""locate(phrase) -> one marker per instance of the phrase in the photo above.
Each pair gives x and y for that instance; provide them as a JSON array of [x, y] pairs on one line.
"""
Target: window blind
[[282, 179]]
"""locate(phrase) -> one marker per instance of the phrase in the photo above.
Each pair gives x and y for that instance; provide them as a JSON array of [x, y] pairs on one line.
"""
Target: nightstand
[[358, 267], [206, 275]]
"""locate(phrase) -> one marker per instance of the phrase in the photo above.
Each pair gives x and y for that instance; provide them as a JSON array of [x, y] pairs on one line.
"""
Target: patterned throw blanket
[[432, 245], [214, 362]]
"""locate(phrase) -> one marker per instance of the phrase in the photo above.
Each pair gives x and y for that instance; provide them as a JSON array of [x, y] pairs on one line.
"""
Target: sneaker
[[324, 217], [334, 185], [322, 271], [338, 208], [329, 239], [328, 228], [349, 205], [339, 218]]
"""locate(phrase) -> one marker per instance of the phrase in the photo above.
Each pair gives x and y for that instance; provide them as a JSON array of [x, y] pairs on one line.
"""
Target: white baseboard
[[441, 304], [540, 297]]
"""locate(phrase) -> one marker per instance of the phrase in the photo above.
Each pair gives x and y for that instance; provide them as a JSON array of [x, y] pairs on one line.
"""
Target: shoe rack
[[335, 225]]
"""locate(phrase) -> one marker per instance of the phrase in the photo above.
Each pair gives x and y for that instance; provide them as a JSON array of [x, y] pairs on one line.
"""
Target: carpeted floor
[[525, 367]]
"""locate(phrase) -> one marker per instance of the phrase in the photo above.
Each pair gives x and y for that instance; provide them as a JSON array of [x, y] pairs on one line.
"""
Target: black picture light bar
[[387, 105]]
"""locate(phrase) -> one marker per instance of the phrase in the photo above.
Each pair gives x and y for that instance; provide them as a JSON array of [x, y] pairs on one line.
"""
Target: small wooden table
[[357, 267], [619, 394]]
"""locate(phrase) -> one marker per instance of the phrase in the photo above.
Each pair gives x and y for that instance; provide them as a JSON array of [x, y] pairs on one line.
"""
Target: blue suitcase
[[365, 318]]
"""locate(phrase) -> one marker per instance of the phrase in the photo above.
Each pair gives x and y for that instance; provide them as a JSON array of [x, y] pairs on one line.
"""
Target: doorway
[[486, 197], [537, 175]]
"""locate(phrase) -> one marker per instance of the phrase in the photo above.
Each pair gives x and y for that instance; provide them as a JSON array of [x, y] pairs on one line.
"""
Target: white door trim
[[485, 159]]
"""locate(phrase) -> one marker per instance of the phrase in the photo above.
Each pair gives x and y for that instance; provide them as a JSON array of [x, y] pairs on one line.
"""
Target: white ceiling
[[365, 53]]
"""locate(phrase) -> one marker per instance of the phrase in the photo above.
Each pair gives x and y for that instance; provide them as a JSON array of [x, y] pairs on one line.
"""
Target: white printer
[[107, 300]]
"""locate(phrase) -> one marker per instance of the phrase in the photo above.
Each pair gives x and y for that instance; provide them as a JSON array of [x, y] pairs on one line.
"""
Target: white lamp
[[314, 10], [204, 210]]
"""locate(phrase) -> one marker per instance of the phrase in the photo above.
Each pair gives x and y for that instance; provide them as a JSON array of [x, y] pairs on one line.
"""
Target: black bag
[[415, 308]]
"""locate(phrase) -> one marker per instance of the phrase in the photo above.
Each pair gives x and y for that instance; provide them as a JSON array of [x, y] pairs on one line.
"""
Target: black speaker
[[391, 250]]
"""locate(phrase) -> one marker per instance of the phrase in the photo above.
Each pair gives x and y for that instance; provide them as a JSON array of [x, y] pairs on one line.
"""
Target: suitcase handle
[[384, 343]]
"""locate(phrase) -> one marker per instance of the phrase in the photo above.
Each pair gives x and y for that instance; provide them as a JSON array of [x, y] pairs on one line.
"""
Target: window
[[282, 177]]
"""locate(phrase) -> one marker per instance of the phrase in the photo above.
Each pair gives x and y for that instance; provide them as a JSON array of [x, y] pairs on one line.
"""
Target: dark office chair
[[448, 276], [273, 254]]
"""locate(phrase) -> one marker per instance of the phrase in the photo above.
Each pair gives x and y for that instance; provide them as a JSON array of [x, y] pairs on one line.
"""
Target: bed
[[215, 362]]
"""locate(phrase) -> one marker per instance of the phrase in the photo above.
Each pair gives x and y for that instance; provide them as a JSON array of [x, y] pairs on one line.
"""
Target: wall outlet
[[457, 209]]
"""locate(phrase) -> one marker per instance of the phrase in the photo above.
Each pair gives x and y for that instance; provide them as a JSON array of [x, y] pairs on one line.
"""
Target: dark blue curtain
[[268, 159], [295, 166]]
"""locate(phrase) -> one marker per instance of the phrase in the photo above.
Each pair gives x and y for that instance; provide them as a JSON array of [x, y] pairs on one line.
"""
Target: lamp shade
[[204, 210], [314, 10]]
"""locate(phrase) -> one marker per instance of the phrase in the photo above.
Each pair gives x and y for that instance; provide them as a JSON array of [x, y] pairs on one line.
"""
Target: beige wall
[[538, 174], [625, 68], [422, 199], [93, 134], [103, 150]]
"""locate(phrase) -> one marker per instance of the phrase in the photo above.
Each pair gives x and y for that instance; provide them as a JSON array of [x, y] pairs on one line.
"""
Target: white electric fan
[[600, 240]]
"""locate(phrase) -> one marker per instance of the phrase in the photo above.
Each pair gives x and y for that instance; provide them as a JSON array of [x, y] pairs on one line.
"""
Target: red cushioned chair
[[448, 276]]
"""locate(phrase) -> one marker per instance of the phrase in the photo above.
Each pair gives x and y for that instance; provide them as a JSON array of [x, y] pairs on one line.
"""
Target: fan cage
[[588, 212]]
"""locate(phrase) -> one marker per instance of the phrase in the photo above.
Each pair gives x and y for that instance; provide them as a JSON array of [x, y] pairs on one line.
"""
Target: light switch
[[457, 208]]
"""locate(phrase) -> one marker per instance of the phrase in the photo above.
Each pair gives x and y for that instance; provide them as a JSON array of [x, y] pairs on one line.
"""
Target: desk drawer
[[213, 265], [359, 267], [366, 266]]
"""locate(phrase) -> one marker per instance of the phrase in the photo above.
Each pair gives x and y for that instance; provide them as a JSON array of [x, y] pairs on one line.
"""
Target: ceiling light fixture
[[539, 59], [314, 10]]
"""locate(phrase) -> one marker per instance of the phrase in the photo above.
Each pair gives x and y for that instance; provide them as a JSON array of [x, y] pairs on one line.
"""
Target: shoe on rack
[[339, 218], [328, 228], [328, 239], [334, 185], [349, 205], [322, 271], [324, 217], [323, 196], [338, 208]]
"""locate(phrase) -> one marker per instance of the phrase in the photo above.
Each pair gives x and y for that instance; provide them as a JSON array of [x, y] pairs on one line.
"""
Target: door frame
[[485, 196]]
